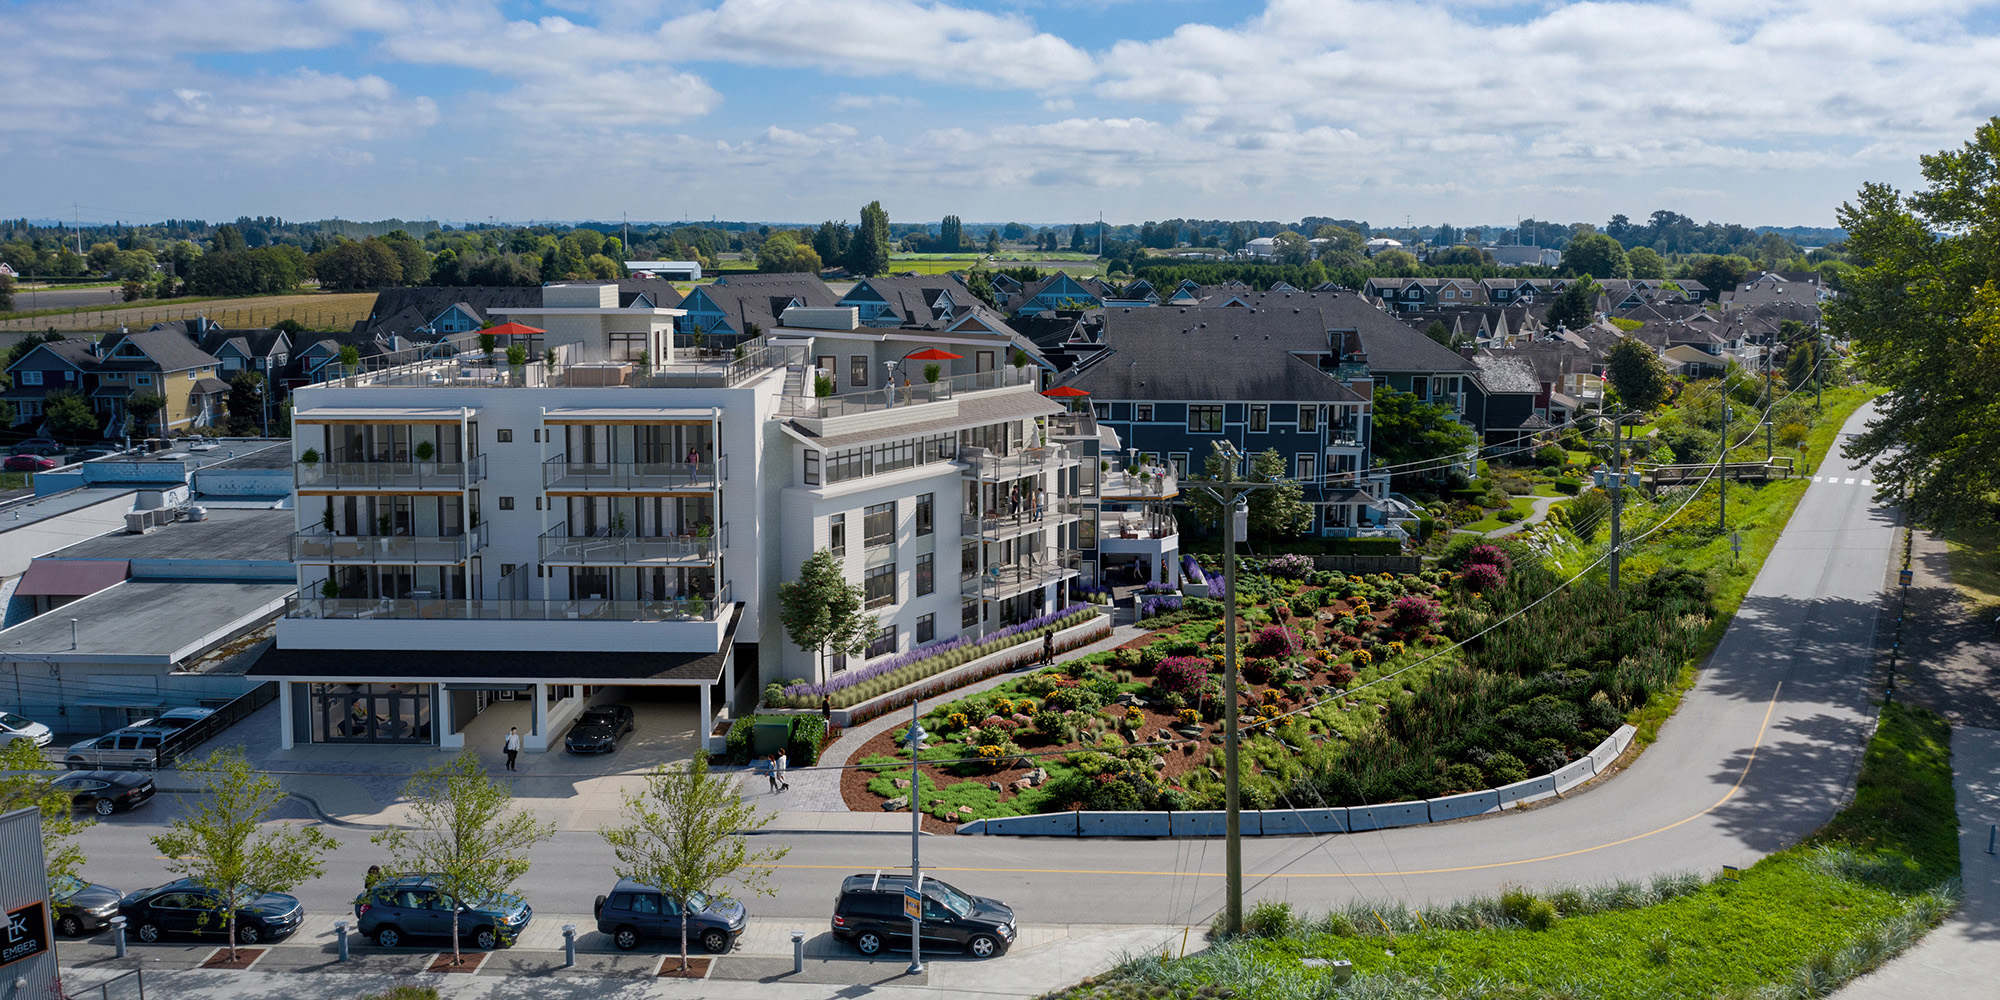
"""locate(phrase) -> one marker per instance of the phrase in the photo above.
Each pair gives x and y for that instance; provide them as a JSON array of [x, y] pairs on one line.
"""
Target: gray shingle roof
[[1168, 352]]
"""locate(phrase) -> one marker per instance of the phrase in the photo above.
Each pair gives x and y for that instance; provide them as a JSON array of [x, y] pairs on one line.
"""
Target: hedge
[[856, 686], [802, 746]]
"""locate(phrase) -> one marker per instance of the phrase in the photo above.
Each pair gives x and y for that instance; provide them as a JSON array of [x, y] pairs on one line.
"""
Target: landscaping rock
[[1037, 776], [900, 782], [965, 811], [1167, 735], [893, 805], [993, 785], [1021, 784], [1215, 738], [1191, 731]]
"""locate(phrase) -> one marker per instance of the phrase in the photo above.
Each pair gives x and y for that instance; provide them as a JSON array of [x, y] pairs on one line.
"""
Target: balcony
[[1156, 482], [1343, 435], [559, 475], [915, 394], [1000, 582], [690, 609], [993, 468], [996, 525], [617, 548], [1072, 425], [458, 363], [1151, 524], [395, 477], [320, 546]]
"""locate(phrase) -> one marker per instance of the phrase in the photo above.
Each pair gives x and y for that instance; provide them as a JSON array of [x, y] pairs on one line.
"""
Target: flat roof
[[234, 534], [386, 414], [20, 515], [594, 414], [145, 619], [272, 456], [563, 666]]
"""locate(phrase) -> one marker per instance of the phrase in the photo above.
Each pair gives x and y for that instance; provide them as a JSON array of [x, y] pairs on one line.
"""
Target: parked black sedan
[[82, 907], [184, 908], [106, 792], [599, 729]]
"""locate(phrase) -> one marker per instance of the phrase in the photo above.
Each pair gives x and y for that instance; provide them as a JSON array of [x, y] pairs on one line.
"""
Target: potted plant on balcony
[[701, 533], [326, 519], [330, 589], [931, 372], [425, 451], [517, 362], [384, 526]]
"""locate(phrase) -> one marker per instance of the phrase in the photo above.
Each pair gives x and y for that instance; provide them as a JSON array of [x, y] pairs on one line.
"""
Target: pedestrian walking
[[512, 745], [771, 772], [826, 709], [782, 783], [1049, 646]]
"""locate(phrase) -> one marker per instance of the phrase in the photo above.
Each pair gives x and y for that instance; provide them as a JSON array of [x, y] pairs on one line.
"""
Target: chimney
[[1466, 351]]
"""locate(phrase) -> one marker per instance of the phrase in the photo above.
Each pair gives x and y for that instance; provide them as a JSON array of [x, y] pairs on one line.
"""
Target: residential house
[[736, 307]]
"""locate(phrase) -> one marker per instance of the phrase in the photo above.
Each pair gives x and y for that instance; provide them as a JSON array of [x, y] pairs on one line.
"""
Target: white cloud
[[863, 102]]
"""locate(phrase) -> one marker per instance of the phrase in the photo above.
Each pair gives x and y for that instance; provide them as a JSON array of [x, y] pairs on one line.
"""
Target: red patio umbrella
[[1065, 390], [933, 354], [511, 329]]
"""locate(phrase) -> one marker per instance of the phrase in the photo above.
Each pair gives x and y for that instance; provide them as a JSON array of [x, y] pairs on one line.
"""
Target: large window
[[968, 614], [627, 346], [370, 713], [926, 574], [857, 371], [878, 525], [836, 534], [889, 457], [30, 376], [880, 586], [926, 514], [812, 467], [1204, 419], [926, 629], [1260, 417], [1308, 419], [1308, 468], [884, 642]]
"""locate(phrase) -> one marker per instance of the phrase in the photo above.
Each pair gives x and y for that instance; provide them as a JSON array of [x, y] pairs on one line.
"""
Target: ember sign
[[27, 945], [26, 935]]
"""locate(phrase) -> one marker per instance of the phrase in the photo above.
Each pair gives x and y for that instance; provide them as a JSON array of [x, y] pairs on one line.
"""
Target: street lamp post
[[914, 739]]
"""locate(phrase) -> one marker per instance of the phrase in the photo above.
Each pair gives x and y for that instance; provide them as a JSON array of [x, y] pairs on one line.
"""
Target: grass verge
[[1973, 552], [1797, 924]]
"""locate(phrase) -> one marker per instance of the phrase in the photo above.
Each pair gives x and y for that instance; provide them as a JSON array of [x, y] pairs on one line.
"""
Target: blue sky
[[1044, 111]]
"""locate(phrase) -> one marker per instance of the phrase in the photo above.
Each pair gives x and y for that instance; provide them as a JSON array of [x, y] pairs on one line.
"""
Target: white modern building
[[607, 515]]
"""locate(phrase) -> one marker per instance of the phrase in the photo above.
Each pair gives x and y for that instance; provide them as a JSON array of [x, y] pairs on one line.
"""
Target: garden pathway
[[1541, 512], [818, 789]]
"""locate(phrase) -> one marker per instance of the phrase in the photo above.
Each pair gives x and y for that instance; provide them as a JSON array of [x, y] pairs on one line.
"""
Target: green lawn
[[1974, 555], [1523, 506], [1842, 903]]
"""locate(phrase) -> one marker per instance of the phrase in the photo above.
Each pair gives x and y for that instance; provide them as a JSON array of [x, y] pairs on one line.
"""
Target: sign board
[[913, 904], [1904, 577], [26, 934], [1730, 873]]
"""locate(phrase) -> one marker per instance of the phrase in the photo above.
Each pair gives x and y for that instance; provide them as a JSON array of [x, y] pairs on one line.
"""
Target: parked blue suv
[[404, 907]]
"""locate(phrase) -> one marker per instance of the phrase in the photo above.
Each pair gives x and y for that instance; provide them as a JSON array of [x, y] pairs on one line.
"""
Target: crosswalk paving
[[1849, 481]]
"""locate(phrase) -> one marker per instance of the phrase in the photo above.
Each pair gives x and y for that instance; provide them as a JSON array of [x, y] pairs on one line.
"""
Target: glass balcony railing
[[1005, 581], [914, 394], [998, 524], [370, 475], [319, 546], [559, 473], [1019, 465], [1156, 481], [611, 548], [687, 609]]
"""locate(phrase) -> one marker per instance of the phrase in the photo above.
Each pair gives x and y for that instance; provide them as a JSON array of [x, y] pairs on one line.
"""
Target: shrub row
[[856, 686]]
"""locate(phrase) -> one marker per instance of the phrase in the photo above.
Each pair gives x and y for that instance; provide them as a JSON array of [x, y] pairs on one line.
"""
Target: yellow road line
[[1726, 796]]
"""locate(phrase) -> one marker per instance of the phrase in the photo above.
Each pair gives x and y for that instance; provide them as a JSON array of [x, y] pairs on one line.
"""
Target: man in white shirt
[[512, 744]]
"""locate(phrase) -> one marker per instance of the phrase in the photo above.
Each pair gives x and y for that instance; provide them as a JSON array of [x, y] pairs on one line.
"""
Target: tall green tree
[[1596, 255], [868, 249], [464, 832], [951, 234], [68, 415], [1646, 262], [1277, 512], [25, 784], [1636, 371], [1575, 308], [683, 835], [6, 292], [246, 403], [1293, 248], [1923, 313], [1414, 438], [822, 612], [144, 406], [221, 841]]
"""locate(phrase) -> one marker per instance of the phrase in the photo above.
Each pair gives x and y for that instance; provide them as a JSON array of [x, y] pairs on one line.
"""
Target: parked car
[[14, 727], [106, 792], [634, 911], [184, 908], [82, 907], [598, 730], [29, 463], [177, 719], [39, 446], [403, 907], [869, 913], [134, 748]]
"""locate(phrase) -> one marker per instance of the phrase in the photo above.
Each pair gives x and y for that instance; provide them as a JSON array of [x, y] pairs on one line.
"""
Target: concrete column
[[702, 724], [285, 734], [729, 680], [538, 715]]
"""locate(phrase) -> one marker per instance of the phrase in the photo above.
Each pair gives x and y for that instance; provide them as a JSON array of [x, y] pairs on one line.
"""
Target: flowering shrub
[[1191, 572], [1134, 718], [993, 722], [1274, 640], [851, 687], [1154, 587], [1481, 577], [1411, 615], [1090, 593], [1281, 609], [991, 752], [1154, 606], [1190, 715], [1340, 674], [1004, 706], [1270, 696], [1488, 555], [1183, 674], [1291, 566], [957, 720], [1021, 720], [1363, 657], [1362, 609], [1267, 711], [1395, 648], [1258, 669]]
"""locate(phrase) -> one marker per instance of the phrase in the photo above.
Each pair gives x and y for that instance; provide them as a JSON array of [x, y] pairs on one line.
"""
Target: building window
[[926, 629], [857, 370], [506, 503], [31, 377], [1179, 461], [504, 436], [926, 511], [880, 586], [926, 574], [1308, 419], [878, 524], [1142, 411], [1308, 467], [884, 642], [1260, 417], [1103, 411], [627, 346], [968, 615], [812, 468], [1204, 419], [141, 379], [836, 534]]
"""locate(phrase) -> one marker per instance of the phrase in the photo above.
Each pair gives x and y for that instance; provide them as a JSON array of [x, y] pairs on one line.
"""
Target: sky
[[1474, 112]]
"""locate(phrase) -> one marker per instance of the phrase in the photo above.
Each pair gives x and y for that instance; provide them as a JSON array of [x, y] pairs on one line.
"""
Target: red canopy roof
[[512, 329], [1066, 390], [933, 354], [71, 577]]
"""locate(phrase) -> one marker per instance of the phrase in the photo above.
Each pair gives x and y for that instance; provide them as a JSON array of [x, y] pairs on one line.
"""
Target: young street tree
[[821, 611], [1278, 512], [222, 843], [68, 414], [682, 836], [21, 788], [143, 407], [463, 833]]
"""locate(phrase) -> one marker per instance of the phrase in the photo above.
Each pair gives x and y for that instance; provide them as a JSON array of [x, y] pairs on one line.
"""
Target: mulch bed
[[470, 964], [670, 968], [245, 957]]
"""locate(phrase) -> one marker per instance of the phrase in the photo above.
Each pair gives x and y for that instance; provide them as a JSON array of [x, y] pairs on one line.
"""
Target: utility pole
[[914, 739], [1615, 480], [1231, 494], [1722, 503], [1767, 397]]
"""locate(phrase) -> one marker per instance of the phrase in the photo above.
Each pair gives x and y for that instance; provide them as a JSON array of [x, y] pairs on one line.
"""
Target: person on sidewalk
[[512, 745], [782, 783], [1049, 646], [771, 772]]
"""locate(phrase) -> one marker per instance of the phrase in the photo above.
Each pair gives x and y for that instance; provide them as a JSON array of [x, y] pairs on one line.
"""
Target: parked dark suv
[[869, 913], [402, 907], [599, 729], [634, 912]]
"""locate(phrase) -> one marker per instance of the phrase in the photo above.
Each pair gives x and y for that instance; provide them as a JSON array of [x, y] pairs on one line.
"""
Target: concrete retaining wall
[[1206, 823], [1612, 748], [1530, 790], [1123, 824], [1362, 818], [1574, 773], [1062, 824], [1281, 822], [1461, 806]]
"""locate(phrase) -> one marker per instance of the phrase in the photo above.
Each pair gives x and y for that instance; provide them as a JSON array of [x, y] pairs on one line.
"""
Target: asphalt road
[[26, 299], [1763, 751]]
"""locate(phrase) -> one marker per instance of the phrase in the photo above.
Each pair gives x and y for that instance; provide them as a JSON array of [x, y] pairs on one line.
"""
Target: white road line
[[1815, 479], [1868, 482], [1850, 481]]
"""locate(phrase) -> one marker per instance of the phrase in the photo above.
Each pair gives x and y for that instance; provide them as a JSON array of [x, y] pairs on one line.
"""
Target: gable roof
[[165, 349], [74, 353], [762, 298], [1167, 352]]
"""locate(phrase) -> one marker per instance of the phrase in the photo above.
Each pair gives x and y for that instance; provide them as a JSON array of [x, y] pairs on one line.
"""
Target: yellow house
[[162, 362]]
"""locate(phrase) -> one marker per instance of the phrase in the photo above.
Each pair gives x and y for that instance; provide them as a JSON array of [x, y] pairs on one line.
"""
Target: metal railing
[[1005, 581], [559, 473], [1019, 465], [914, 394], [318, 545], [1159, 482], [1073, 425], [458, 361], [995, 524], [684, 609], [390, 475], [176, 745], [622, 548]]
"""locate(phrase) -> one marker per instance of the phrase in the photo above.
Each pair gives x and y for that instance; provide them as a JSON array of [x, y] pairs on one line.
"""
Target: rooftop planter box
[[862, 694]]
